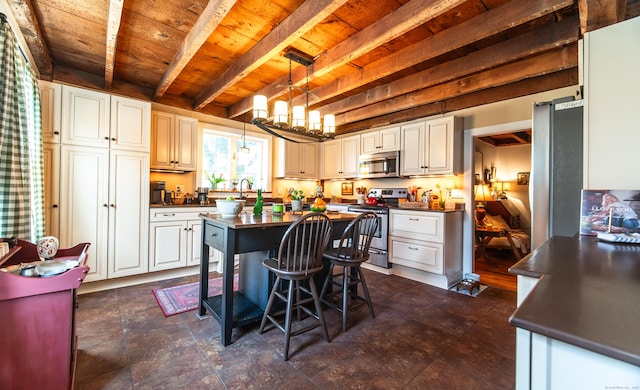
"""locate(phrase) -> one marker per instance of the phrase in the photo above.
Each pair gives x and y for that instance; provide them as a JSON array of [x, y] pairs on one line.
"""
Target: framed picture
[[523, 178], [347, 188]]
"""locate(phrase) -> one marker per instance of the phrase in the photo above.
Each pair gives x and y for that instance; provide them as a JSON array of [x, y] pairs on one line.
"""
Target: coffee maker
[[156, 194], [203, 194]]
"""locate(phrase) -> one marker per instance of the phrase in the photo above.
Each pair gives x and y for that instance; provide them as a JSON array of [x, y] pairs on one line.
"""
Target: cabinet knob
[[56, 133], [112, 205], [105, 205], [55, 206], [113, 139], [106, 138]]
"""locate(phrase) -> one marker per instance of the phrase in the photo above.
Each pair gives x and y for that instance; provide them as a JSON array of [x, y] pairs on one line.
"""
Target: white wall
[[612, 84]]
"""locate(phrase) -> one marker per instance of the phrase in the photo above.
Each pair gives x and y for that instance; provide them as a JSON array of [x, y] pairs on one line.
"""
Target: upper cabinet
[[297, 160], [384, 140], [91, 118], [50, 100], [432, 147], [340, 158], [175, 141]]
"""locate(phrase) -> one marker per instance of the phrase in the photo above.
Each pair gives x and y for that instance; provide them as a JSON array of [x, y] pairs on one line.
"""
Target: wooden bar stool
[[350, 254]]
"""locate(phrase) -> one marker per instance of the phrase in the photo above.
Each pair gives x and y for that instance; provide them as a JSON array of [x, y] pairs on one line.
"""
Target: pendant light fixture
[[293, 118], [244, 149]]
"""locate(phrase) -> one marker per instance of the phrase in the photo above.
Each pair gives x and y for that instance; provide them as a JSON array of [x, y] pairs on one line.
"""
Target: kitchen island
[[578, 314], [243, 234]]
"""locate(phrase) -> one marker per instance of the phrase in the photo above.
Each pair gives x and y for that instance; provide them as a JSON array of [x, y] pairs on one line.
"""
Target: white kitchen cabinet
[[105, 202], [50, 108], [340, 158], [297, 160], [174, 140], [383, 140], [175, 238], [432, 147], [96, 119], [51, 158], [427, 241]]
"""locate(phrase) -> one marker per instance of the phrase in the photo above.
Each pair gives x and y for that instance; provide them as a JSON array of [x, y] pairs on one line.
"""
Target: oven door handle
[[376, 251]]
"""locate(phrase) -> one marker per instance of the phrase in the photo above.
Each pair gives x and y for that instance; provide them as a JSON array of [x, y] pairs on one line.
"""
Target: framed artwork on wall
[[523, 178], [347, 188]]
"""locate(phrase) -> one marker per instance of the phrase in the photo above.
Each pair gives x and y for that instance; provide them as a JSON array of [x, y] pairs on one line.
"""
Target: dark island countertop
[[246, 220], [588, 295]]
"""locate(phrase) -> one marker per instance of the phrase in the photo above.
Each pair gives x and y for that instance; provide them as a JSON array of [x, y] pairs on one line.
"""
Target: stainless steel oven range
[[386, 197]]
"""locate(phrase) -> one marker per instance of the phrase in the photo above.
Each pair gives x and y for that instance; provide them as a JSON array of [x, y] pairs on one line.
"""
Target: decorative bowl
[[229, 208], [47, 247]]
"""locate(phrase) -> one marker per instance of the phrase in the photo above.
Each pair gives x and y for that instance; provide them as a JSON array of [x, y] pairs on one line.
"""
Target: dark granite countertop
[[246, 220], [588, 295]]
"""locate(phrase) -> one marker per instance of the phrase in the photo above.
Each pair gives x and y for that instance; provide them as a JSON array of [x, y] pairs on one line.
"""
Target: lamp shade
[[260, 111], [482, 193], [297, 121], [329, 124], [280, 113], [315, 124]]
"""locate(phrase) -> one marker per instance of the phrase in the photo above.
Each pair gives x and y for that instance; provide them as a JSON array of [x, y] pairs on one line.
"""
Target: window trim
[[206, 127]]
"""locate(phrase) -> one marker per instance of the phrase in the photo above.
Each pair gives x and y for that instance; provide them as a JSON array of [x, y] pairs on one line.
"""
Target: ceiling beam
[[595, 14], [403, 19], [492, 22], [303, 19], [113, 26], [525, 45], [206, 24], [518, 89], [548, 62], [22, 11]]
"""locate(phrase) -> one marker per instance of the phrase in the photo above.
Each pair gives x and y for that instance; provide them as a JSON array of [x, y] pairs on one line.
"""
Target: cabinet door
[[420, 225], [350, 155], [168, 245], [309, 160], [85, 117], [128, 213], [292, 159], [411, 158], [331, 159], [369, 142], [185, 143], [84, 204], [50, 107], [389, 139], [439, 146], [162, 140], [51, 157], [130, 124]]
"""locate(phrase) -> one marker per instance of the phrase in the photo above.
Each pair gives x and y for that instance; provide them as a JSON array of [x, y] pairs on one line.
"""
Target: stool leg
[[287, 326], [327, 281], [316, 301], [366, 292], [345, 295], [272, 298]]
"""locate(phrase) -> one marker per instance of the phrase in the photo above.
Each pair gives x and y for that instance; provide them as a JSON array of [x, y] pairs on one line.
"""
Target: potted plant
[[297, 197], [213, 179]]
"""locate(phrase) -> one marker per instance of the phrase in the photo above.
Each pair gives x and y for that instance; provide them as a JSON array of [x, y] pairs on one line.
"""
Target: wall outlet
[[180, 188]]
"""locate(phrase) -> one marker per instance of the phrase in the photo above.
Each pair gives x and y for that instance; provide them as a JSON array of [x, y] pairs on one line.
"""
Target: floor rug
[[179, 299]]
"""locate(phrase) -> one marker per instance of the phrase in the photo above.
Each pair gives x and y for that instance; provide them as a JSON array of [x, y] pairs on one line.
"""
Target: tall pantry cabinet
[[104, 180]]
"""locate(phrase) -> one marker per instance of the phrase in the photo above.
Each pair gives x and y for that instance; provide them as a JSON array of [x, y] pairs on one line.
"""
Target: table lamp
[[482, 193]]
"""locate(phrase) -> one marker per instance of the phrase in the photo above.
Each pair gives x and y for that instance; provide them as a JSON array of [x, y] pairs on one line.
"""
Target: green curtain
[[21, 160]]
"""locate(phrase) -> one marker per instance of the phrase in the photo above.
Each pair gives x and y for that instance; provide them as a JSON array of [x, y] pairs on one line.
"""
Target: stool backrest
[[357, 236], [304, 242]]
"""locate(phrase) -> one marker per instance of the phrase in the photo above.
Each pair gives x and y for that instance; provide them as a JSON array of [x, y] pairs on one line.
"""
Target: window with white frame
[[221, 156]]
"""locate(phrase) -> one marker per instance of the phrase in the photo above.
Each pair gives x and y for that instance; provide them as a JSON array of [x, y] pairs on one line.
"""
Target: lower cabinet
[[175, 236], [427, 245]]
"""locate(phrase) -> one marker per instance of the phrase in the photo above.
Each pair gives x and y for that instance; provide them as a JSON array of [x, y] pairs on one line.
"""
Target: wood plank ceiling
[[376, 62]]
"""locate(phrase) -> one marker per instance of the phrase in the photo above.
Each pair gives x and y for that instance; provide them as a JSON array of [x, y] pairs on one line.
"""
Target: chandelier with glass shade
[[293, 118]]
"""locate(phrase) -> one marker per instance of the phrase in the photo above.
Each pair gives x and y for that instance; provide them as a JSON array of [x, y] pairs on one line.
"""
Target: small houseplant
[[213, 179], [297, 196]]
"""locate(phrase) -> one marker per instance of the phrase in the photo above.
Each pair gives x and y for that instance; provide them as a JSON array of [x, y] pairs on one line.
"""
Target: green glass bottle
[[257, 209]]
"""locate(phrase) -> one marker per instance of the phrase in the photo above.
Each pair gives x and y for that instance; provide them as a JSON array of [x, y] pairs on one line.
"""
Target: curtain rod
[[3, 19]]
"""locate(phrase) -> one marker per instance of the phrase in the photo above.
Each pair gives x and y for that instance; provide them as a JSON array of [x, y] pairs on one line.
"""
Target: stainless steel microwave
[[385, 164]]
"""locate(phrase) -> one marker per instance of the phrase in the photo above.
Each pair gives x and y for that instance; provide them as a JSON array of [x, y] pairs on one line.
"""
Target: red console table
[[38, 341]]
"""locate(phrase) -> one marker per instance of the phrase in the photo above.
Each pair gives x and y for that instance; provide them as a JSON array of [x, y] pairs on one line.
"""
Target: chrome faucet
[[247, 180]]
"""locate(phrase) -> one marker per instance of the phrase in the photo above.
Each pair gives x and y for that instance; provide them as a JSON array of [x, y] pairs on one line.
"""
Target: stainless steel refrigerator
[[555, 181]]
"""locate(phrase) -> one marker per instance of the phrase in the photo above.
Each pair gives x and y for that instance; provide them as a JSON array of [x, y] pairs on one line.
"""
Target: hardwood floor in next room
[[422, 337], [495, 272]]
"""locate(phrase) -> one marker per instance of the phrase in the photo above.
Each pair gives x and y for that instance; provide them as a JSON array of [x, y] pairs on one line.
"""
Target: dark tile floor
[[422, 337]]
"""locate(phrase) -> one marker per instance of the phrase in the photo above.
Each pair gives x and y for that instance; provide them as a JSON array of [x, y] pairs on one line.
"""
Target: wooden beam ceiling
[[113, 25]]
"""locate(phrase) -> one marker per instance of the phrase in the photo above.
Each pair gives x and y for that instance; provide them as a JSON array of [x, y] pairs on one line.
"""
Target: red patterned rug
[[178, 299]]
